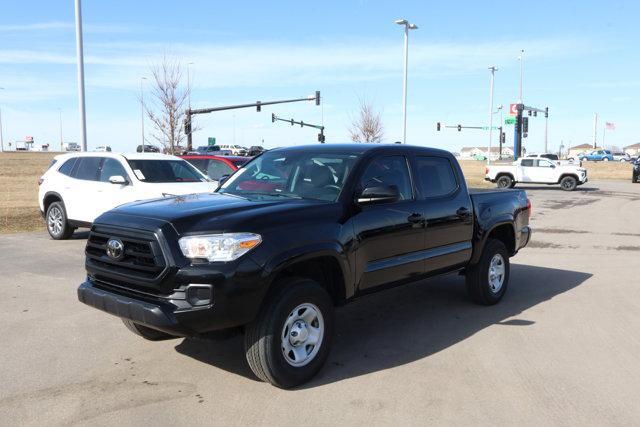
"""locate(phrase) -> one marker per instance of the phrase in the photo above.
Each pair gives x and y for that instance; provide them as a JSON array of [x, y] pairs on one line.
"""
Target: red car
[[216, 166]]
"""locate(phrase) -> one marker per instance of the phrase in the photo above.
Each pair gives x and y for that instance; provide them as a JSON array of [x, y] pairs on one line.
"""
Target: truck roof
[[361, 148]]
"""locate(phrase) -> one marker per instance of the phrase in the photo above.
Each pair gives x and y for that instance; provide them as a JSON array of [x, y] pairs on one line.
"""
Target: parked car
[[621, 157], [147, 149], [538, 171], [236, 150], [216, 167], [596, 156], [79, 187], [255, 150], [292, 234], [635, 174], [103, 149], [211, 150]]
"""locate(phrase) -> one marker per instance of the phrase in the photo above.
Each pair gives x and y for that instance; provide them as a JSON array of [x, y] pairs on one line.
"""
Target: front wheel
[[289, 341], [504, 182], [57, 223], [487, 280], [568, 183], [634, 178]]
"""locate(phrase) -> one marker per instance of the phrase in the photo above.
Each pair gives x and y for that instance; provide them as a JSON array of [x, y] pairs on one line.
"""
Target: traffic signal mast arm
[[257, 104], [275, 118]]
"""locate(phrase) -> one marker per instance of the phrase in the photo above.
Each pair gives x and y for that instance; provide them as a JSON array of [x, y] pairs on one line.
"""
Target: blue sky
[[581, 57]]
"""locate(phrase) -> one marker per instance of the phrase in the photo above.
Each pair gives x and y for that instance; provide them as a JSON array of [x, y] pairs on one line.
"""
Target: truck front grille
[[141, 260]]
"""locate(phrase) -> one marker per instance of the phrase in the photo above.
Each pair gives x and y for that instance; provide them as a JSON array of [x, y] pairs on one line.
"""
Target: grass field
[[19, 173]]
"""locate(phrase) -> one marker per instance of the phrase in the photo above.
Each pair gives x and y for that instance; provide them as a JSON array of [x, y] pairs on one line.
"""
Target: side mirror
[[379, 194], [118, 179], [223, 178]]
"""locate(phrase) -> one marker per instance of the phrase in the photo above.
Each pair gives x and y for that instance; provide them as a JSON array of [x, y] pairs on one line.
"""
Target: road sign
[[510, 121], [513, 109], [211, 141]]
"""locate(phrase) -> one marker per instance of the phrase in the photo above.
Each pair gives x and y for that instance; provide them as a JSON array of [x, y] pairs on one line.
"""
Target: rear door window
[[435, 176], [527, 163], [88, 168], [216, 169]]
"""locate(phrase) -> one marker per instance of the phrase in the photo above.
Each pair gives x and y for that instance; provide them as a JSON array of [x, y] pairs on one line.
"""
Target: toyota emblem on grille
[[115, 249]]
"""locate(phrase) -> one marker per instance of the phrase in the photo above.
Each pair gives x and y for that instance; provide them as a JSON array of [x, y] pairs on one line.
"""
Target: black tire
[[57, 223], [264, 346], [145, 332], [568, 183], [504, 181], [634, 178], [513, 184], [477, 276]]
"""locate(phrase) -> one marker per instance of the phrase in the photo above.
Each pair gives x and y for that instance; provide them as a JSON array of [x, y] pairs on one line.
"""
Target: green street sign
[[510, 121], [211, 140]]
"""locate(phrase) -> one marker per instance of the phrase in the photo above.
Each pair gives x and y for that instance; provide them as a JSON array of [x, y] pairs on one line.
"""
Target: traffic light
[[321, 138], [503, 137], [459, 128], [317, 97], [438, 126], [529, 113], [546, 112], [187, 125], [273, 118], [258, 106], [525, 124], [535, 114]]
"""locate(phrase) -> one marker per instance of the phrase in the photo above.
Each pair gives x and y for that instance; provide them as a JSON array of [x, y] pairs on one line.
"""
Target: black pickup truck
[[293, 234]]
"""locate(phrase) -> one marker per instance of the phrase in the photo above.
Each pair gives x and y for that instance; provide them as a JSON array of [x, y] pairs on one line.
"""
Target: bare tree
[[367, 127], [168, 104]]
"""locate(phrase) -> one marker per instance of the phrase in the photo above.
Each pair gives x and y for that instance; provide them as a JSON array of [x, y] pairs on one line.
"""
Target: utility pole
[[61, 140], [595, 130], [407, 27], [80, 60], [521, 58], [142, 111], [493, 70]]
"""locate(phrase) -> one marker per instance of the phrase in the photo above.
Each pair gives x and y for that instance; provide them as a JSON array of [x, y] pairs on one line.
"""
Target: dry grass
[[19, 173]]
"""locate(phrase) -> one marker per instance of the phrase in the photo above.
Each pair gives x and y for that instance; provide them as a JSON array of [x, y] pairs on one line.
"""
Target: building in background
[[474, 153], [633, 149], [574, 151]]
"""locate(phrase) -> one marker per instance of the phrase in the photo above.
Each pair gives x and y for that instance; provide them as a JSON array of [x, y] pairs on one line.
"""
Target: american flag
[[610, 126]]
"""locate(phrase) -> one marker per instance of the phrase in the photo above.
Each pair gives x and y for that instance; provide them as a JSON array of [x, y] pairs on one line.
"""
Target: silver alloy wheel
[[496, 273], [55, 220], [302, 335]]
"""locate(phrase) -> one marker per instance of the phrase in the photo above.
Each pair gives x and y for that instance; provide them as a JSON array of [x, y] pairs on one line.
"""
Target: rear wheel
[[57, 223], [606, 159], [568, 183], [487, 280], [634, 178], [504, 181], [289, 341], [145, 332]]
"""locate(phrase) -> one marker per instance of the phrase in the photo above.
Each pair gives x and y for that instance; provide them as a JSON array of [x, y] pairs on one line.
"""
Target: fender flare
[[483, 235]]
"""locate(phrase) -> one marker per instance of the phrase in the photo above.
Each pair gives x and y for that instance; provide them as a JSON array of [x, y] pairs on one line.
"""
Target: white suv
[[78, 187], [236, 150]]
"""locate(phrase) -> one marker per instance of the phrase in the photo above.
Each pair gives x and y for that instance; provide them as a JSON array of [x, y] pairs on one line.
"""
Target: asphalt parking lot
[[563, 347]]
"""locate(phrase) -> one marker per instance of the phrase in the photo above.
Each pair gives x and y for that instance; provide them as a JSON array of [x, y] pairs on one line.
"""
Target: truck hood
[[180, 188], [213, 212]]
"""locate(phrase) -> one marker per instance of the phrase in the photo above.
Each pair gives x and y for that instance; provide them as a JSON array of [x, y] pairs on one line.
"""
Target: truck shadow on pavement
[[405, 324]]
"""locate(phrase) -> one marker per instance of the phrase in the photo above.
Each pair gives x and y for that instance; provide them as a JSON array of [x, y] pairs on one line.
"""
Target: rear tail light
[[40, 180], [529, 207]]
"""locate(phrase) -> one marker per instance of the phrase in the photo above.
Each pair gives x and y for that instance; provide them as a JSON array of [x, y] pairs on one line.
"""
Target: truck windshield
[[295, 174], [165, 171]]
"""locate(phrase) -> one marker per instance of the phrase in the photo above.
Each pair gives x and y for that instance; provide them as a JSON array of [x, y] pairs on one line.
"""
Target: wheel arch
[[502, 230], [50, 197], [566, 174]]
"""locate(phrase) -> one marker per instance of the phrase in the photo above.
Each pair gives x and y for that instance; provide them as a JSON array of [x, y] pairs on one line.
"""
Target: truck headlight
[[219, 247]]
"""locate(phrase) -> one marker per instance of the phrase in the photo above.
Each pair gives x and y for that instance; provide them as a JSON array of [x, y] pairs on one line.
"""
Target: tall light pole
[[142, 111], [521, 59], [407, 27], [493, 70], [189, 83], [1, 137], [61, 140], [80, 59]]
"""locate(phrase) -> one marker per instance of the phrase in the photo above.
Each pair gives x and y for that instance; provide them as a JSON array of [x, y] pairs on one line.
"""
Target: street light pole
[[521, 58], [61, 140], [80, 59], [493, 70], [407, 27], [142, 111]]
